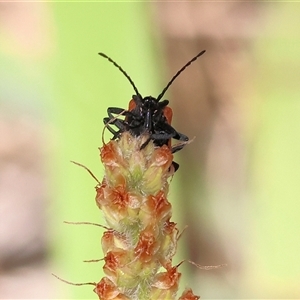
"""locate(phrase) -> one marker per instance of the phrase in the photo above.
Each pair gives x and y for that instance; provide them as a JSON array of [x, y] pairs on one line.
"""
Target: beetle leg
[[180, 137], [115, 110], [114, 120], [114, 132]]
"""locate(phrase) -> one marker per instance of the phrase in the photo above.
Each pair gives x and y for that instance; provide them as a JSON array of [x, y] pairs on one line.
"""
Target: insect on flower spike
[[91, 173], [147, 115], [141, 240]]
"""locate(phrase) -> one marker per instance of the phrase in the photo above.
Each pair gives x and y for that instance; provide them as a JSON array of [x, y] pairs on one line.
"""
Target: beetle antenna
[[124, 73], [178, 73]]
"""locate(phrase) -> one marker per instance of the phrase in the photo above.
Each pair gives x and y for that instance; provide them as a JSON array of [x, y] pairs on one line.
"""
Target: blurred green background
[[52, 73]]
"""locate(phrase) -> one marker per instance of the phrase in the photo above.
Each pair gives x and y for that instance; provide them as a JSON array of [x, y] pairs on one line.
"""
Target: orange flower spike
[[142, 239]]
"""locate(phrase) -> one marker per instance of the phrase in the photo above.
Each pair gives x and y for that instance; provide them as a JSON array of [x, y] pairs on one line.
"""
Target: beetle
[[147, 115]]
